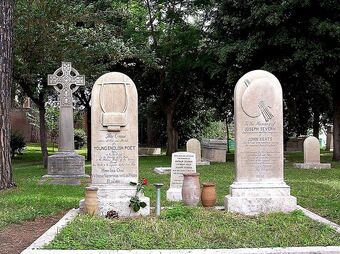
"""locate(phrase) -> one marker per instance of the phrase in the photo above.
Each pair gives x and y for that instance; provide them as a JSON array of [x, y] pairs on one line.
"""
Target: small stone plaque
[[181, 162]]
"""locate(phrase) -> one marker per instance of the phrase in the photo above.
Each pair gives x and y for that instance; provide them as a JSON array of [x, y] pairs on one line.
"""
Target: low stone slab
[[162, 170], [313, 165], [203, 163], [148, 151]]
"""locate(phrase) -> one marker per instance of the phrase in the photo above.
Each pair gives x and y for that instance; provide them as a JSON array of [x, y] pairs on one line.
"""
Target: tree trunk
[[172, 133], [6, 37], [150, 132], [316, 123], [88, 127], [336, 126], [43, 135]]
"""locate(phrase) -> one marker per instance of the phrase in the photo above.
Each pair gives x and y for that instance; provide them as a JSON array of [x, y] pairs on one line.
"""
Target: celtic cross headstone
[[66, 164]]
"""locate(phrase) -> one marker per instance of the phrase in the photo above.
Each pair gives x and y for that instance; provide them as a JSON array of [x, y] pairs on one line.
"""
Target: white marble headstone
[[181, 162], [259, 186], [114, 130]]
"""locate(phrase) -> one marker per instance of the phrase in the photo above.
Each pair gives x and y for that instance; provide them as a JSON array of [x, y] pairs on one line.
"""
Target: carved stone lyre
[[114, 115]]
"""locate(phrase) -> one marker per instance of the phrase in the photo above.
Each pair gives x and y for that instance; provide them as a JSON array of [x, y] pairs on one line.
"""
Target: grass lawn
[[317, 190]]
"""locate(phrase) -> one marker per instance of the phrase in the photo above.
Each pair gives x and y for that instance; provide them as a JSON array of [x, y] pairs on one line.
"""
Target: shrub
[[79, 138], [17, 143]]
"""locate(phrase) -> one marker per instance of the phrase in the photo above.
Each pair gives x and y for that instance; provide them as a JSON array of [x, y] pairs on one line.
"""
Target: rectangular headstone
[[259, 186], [114, 130], [214, 150], [181, 162]]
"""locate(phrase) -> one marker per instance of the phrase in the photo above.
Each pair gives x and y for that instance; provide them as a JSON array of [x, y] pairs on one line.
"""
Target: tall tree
[[6, 31], [175, 39], [296, 40]]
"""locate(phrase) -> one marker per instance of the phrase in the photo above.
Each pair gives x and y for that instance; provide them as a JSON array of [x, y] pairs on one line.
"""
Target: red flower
[[144, 181]]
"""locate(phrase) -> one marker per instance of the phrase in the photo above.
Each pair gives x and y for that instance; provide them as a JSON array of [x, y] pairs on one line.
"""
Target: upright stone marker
[[66, 164], [311, 153], [329, 140], [115, 143], [259, 186], [181, 162], [194, 146], [214, 150]]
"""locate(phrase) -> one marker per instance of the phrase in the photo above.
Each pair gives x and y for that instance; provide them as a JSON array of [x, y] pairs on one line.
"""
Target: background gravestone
[[66, 166], [114, 133], [181, 162], [259, 186], [214, 150], [311, 154], [194, 146], [329, 140]]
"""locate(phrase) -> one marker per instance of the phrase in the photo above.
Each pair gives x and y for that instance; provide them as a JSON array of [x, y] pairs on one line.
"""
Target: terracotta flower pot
[[208, 194], [191, 191], [91, 200]]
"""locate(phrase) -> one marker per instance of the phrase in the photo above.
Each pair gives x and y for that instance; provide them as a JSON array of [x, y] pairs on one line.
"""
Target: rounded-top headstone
[[311, 150], [259, 186], [194, 146], [258, 128], [114, 132]]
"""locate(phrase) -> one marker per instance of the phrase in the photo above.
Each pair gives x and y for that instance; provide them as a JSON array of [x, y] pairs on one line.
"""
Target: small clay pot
[[191, 190], [208, 194], [91, 200]]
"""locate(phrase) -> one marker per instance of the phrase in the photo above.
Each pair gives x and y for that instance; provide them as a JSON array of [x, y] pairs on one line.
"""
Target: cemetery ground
[[178, 227]]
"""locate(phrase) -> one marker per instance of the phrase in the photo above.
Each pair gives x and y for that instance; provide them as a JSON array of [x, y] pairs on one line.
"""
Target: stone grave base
[[118, 199], [148, 151], [162, 170], [65, 163], [65, 168], [174, 194], [254, 198], [203, 163], [313, 165]]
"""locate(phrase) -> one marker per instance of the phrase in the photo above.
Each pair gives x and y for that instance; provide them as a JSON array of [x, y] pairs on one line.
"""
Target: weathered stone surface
[[181, 162], [66, 163], [295, 144], [311, 150], [214, 150], [194, 146], [146, 151], [311, 153], [329, 140], [115, 144], [162, 170], [259, 186]]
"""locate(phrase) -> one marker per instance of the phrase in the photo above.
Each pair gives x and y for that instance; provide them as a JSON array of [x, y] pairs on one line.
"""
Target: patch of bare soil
[[15, 238]]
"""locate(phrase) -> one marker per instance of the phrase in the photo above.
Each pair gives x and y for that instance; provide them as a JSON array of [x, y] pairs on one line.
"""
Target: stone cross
[[66, 84]]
